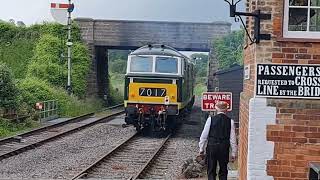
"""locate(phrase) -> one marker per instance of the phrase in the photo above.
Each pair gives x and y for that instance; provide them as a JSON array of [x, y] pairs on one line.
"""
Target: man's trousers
[[218, 152]]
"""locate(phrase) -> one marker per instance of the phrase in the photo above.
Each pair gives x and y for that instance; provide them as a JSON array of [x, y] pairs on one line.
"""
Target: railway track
[[158, 167], [20, 143], [129, 160]]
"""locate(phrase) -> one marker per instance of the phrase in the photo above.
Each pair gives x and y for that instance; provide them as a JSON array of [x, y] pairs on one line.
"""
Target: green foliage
[[45, 63], [80, 68], [119, 67], [8, 31], [118, 61], [56, 30], [33, 90], [17, 55], [229, 49], [48, 65], [9, 128], [17, 43], [8, 89], [116, 55], [116, 88], [201, 66], [36, 90], [200, 86]]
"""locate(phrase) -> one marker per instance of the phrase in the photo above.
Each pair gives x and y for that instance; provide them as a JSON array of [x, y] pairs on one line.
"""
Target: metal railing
[[49, 110]]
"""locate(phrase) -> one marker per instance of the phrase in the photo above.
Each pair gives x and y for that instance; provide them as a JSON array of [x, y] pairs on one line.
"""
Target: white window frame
[[129, 65], [178, 64], [154, 65], [298, 34]]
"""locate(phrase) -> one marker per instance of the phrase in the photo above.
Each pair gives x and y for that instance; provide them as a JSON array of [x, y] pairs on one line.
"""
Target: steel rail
[[115, 149], [97, 162], [43, 129], [152, 158], [16, 138]]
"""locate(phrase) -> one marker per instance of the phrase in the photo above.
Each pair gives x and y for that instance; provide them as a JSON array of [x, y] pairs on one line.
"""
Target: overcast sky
[[35, 11]]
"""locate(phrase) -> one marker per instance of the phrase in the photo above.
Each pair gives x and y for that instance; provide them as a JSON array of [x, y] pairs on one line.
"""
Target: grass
[[116, 88], [80, 107], [9, 128], [200, 86], [17, 55]]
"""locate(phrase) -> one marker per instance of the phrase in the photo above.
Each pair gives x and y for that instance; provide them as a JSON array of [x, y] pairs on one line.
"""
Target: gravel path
[[63, 158]]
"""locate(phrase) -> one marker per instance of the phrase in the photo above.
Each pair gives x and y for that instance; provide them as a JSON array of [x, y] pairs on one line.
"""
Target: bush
[[116, 88], [119, 66], [17, 43], [229, 49], [8, 90], [47, 65], [8, 128], [35, 90], [17, 55], [80, 69]]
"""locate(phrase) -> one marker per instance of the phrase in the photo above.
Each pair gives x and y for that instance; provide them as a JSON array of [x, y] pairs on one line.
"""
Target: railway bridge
[[101, 35]]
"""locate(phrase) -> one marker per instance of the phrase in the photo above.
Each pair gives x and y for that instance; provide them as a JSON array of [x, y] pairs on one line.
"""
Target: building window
[[302, 19]]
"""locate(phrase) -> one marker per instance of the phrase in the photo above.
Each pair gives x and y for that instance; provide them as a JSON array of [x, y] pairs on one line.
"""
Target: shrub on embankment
[[8, 128], [37, 56], [17, 43], [8, 90], [33, 89]]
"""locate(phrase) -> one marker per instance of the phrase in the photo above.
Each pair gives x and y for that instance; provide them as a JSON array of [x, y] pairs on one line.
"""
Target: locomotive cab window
[[141, 64], [302, 19], [166, 65]]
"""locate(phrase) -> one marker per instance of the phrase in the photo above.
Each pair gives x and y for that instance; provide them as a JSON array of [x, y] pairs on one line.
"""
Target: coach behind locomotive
[[159, 85]]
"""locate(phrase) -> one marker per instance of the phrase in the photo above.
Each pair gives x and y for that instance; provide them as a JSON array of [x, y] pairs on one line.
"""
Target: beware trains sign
[[209, 100]]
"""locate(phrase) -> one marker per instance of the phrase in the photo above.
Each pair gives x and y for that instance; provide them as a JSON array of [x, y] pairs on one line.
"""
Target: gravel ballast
[[65, 157]]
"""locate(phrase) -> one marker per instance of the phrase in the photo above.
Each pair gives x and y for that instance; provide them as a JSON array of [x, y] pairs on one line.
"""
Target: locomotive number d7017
[[157, 92]]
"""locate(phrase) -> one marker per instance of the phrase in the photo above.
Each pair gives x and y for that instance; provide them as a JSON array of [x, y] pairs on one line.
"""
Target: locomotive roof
[[158, 49]]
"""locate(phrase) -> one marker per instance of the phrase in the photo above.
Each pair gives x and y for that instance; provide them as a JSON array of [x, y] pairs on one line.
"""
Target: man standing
[[219, 132]]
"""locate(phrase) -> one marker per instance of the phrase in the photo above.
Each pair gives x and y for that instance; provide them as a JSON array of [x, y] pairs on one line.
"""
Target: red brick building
[[280, 135]]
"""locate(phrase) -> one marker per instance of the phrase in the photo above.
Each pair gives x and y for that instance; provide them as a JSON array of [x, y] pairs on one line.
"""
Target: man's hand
[[200, 157], [233, 159]]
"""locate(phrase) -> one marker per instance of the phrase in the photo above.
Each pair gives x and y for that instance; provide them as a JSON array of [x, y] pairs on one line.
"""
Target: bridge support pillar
[[212, 69], [98, 76], [102, 71]]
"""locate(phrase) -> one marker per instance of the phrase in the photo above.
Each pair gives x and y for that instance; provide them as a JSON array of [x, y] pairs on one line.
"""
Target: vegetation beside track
[[9, 128], [229, 52], [33, 68]]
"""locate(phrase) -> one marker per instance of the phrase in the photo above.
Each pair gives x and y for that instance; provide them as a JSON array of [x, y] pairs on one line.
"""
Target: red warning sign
[[209, 100]]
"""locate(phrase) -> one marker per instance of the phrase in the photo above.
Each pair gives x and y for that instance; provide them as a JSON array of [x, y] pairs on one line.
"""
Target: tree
[[8, 90], [201, 66], [47, 64], [229, 49]]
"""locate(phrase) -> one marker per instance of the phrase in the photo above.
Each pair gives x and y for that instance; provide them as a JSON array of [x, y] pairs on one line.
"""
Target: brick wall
[[296, 134], [248, 92], [296, 137]]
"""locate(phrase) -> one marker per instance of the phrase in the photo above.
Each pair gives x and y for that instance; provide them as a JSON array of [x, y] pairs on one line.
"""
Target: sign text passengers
[[288, 80]]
